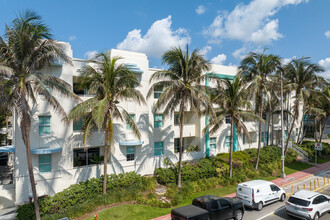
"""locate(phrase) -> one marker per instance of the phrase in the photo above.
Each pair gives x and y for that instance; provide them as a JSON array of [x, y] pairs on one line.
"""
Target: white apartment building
[[59, 158]]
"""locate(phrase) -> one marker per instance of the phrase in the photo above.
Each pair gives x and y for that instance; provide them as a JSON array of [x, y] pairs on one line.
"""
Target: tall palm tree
[[300, 75], [26, 48], [232, 100], [111, 84], [256, 67], [182, 88]]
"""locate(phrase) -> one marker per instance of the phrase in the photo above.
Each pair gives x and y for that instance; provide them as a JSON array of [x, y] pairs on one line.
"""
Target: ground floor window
[[45, 163], [227, 142], [177, 145], [88, 157], [130, 153], [264, 137], [158, 148], [213, 143], [244, 139]]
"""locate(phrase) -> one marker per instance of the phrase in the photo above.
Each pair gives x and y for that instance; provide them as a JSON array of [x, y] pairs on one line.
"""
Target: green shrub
[[165, 175]]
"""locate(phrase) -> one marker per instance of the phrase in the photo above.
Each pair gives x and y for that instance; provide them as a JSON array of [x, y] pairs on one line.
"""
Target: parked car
[[307, 205], [258, 193], [209, 208]]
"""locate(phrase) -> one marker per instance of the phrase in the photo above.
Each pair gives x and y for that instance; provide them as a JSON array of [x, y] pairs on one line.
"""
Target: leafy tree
[[25, 50], [256, 67], [232, 100], [110, 83], [182, 88], [300, 76]]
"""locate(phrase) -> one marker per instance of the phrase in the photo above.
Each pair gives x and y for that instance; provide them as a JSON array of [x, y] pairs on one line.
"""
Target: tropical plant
[[300, 76], [231, 100], [182, 89], [255, 68], [110, 83], [26, 48]]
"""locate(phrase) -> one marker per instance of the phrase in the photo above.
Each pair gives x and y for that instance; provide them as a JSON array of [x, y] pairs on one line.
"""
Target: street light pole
[[282, 131]]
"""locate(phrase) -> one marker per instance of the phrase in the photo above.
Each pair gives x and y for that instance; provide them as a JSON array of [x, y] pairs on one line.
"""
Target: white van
[[257, 193]]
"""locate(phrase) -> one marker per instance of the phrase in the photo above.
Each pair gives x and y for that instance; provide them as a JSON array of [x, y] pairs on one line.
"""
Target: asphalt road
[[276, 211]]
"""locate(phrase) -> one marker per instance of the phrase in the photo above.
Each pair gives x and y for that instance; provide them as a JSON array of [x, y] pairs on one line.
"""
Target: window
[[274, 188], [213, 143], [130, 153], [78, 124], [157, 91], [228, 120], [83, 158], [44, 125], [158, 120], [264, 116], [227, 141], [214, 204], [285, 134], [177, 145], [224, 203], [77, 87], [159, 148], [243, 139], [128, 127], [45, 163], [264, 136], [320, 199], [176, 119]]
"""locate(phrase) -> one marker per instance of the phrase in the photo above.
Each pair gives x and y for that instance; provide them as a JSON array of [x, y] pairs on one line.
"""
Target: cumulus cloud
[[327, 34], [72, 37], [325, 63], [220, 59], [159, 38], [287, 60], [90, 54], [200, 9], [249, 23], [240, 53], [205, 50]]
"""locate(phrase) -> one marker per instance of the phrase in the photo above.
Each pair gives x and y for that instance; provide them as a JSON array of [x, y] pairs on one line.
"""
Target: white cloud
[[200, 9], [205, 50], [90, 54], [240, 53], [287, 60], [326, 65], [72, 37], [158, 39], [220, 59], [327, 34], [249, 23]]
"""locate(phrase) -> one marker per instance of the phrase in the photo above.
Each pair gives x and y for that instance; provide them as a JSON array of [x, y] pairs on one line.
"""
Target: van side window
[[274, 188]]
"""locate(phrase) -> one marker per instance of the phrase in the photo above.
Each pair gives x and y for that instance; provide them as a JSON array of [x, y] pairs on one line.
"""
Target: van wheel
[[260, 206], [316, 216], [238, 215], [282, 197]]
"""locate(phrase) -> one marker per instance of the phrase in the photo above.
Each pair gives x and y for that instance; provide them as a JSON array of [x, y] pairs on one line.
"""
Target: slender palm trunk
[[322, 129], [315, 130], [260, 123], [268, 129], [30, 168], [231, 148], [299, 132], [6, 138], [181, 141], [272, 117], [107, 134], [289, 135]]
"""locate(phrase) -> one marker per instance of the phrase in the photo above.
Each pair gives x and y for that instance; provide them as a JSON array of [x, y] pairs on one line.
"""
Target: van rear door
[[245, 194]]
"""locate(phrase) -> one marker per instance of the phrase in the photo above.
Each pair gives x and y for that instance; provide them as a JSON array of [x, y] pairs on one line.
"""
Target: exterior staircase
[[301, 153]]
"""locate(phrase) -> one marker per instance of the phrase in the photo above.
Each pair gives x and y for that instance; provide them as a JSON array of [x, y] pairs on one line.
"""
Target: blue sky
[[224, 30]]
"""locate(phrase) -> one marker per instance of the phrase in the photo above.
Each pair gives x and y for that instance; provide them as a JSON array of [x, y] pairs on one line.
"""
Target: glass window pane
[[47, 120], [79, 157], [130, 150], [44, 168], [227, 141], [92, 154]]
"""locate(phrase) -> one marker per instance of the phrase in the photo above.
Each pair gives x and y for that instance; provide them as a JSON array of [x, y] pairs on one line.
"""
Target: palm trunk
[[268, 129], [259, 135], [299, 133], [6, 137], [107, 134], [181, 120], [272, 117], [30, 168], [289, 135], [322, 129], [231, 148], [315, 129]]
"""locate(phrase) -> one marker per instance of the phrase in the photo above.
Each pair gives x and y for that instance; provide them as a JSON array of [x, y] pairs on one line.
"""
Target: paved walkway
[[290, 179]]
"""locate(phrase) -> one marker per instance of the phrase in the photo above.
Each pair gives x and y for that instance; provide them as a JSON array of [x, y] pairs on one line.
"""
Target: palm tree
[[182, 88], [231, 99], [111, 84], [256, 67], [300, 75], [26, 48]]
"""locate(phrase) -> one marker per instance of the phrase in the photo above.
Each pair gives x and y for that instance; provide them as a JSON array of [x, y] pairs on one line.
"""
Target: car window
[[224, 203], [214, 204], [316, 200], [322, 199], [274, 188], [297, 201]]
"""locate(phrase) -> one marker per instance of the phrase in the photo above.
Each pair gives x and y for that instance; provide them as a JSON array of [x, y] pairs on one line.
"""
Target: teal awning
[[131, 143], [7, 149], [46, 150]]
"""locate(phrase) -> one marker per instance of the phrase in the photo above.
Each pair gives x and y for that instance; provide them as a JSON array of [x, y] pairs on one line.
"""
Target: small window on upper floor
[[128, 127], [158, 120], [157, 91], [228, 120], [44, 125]]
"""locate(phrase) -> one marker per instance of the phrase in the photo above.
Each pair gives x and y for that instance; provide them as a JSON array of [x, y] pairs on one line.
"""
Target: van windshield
[[300, 202]]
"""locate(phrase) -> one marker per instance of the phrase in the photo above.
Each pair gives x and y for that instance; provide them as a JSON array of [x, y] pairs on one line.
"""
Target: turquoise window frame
[[227, 141], [158, 120], [44, 124], [157, 92], [264, 136], [130, 153], [78, 124], [213, 143], [158, 148], [45, 163], [128, 127]]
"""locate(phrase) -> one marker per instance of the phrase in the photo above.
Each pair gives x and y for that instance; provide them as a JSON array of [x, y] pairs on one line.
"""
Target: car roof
[[305, 194], [207, 198], [254, 183]]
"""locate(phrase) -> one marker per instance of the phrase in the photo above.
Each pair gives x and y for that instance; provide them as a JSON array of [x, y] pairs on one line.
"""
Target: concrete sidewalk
[[290, 179]]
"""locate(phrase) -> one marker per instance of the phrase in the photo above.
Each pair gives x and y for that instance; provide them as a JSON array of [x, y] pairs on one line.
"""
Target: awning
[[134, 68], [7, 149], [46, 150], [131, 143]]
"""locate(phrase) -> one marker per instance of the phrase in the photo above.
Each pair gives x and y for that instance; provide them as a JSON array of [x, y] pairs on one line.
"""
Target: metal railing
[[293, 146]]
